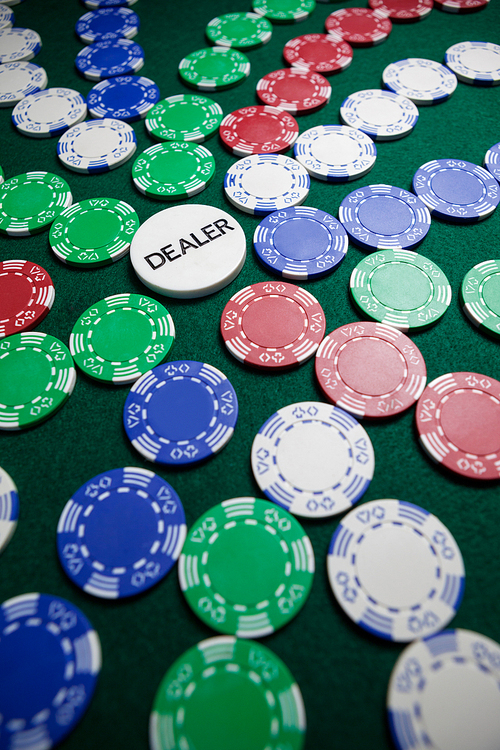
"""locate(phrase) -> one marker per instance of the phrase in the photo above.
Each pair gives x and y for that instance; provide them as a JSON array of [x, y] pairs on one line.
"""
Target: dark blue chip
[[107, 24], [127, 98], [109, 59]]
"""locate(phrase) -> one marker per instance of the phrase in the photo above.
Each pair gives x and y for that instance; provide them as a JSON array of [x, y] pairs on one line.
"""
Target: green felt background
[[343, 672]]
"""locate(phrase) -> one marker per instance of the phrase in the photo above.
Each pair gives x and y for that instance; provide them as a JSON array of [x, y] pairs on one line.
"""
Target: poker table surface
[[342, 670]]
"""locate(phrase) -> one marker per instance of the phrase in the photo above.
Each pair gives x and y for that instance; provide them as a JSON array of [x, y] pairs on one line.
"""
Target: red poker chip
[[26, 296], [461, 6], [272, 325], [258, 130], [320, 53], [370, 370], [458, 423], [361, 27], [403, 10], [293, 90]]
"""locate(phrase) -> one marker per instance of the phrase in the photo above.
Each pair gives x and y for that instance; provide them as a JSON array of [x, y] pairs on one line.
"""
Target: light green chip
[[228, 694], [173, 170], [37, 376], [480, 296], [184, 117], [214, 68], [284, 11], [121, 337], [246, 567], [30, 202], [94, 232], [241, 30]]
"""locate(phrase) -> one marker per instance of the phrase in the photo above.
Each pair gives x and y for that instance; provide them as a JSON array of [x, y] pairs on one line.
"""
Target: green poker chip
[[173, 170], [93, 232], [226, 693], [246, 567], [30, 202], [214, 68], [37, 376], [284, 11], [121, 337], [2, 175], [184, 117], [480, 296], [400, 288], [241, 30]]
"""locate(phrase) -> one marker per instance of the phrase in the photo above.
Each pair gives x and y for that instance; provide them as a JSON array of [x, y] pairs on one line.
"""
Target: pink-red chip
[[320, 53], [461, 6], [295, 91], [403, 10], [370, 370], [26, 296], [361, 27], [258, 130], [458, 423], [272, 325]]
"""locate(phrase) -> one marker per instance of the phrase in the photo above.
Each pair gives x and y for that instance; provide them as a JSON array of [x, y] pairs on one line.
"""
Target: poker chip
[[461, 6], [18, 44], [258, 129], [6, 17], [335, 153], [396, 570], [401, 289], [127, 98], [97, 146], [173, 171], [2, 176], [272, 325], [422, 81], [296, 91], [241, 30], [146, 519], [30, 202], [284, 11], [49, 113], [403, 11], [492, 161], [458, 423], [107, 24], [180, 413], [169, 252], [247, 692], [36, 378], [477, 63], [382, 115], [269, 576], [50, 658], [19, 79], [184, 117], [300, 243], [26, 296], [121, 337], [361, 27], [214, 68], [370, 370], [262, 183], [456, 190], [94, 232], [9, 508], [96, 4], [319, 53], [313, 459], [384, 217], [480, 296], [116, 57]]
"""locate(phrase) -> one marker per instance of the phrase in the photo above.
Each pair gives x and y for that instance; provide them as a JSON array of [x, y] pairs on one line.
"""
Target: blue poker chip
[[335, 153], [382, 115], [456, 191], [383, 217], [126, 98], [180, 412], [106, 24], [9, 508], [300, 243], [50, 659], [95, 4], [121, 533], [108, 59], [492, 161]]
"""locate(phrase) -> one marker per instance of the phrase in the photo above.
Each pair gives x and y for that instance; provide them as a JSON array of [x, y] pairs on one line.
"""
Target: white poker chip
[[20, 79], [477, 63], [443, 693], [188, 251], [9, 508], [18, 44], [49, 113], [263, 183], [97, 146], [6, 16], [335, 153], [382, 115], [313, 459], [396, 570], [422, 81]]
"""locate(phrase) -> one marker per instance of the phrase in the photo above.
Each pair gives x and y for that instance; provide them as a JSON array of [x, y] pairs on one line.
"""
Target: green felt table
[[342, 670]]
